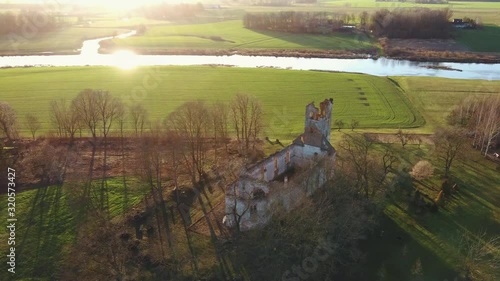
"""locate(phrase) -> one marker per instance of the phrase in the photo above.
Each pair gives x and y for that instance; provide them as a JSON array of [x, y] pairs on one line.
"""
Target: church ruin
[[283, 179]]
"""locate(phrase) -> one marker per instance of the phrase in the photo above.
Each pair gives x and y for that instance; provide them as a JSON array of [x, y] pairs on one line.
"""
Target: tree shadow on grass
[[392, 253], [48, 227], [316, 41]]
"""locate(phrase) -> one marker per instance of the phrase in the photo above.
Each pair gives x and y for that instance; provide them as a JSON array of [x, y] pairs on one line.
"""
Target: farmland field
[[375, 102], [234, 35], [64, 40], [486, 39], [436, 97]]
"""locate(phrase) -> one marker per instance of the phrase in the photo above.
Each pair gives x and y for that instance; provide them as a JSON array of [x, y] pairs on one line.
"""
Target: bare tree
[[57, 110], [65, 118], [479, 254], [339, 123], [139, 117], [45, 163], [422, 170], [220, 116], [481, 116], [86, 107], [363, 20], [100, 254], [32, 123], [8, 121], [247, 119], [191, 123], [354, 124], [110, 109], [449, 144], [152, 161], [491, 127], [364, 165], [404, 137]]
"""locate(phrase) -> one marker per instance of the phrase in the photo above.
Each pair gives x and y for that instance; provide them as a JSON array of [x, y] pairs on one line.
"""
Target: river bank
[[393, 53]]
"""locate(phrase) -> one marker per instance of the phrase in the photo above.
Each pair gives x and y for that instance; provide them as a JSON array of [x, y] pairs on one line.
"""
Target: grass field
[[403, 236], [486, 39], [236, 36], [485, 12], [47, 224], [226, 23], [64, 40], [436, 97], [374, 101]]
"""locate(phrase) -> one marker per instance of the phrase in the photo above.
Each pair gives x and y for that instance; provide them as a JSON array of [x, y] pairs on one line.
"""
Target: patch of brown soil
[[392, 138], [434, 50], [427, 45]]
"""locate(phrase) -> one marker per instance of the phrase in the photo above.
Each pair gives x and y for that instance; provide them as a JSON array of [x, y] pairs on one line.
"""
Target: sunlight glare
[[125, 59]]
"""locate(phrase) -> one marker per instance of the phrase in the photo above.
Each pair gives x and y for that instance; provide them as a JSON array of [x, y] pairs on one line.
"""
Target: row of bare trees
[[412, 23], [296, 22], [481, 118], [30, 19]]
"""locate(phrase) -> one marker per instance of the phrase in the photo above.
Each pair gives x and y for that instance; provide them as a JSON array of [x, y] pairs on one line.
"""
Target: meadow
[[225, 26], [405, 237], [47, 223], [435, 97], [232, 35], [486, 39], [374, 101], [402, 240], [67, 40]]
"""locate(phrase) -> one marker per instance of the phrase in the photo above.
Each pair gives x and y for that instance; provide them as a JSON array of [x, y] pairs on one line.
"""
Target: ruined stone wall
[[273, 166], [256, 212]]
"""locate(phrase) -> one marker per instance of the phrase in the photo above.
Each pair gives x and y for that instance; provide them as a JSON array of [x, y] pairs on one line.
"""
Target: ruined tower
[[319, 119], [286, 177]]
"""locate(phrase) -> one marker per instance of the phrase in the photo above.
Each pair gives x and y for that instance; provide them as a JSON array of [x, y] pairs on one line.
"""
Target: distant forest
[[420, 23], [28, 21], [296, 22]]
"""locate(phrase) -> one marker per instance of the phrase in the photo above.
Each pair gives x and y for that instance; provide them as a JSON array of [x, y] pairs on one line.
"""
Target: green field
[[374, 101], [47, 223], [226, 23], [485, 12], [486, 39], [404, 236], [64, 40], [436, 97], [197, 36]]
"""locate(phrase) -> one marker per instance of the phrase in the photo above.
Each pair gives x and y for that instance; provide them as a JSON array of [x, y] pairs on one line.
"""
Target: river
[[89, 56]]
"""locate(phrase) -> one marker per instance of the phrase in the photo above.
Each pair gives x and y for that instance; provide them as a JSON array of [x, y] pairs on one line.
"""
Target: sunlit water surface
[[381, 67]]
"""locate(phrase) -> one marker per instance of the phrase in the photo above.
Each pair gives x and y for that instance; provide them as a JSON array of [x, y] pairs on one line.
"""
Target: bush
[[422, 170]]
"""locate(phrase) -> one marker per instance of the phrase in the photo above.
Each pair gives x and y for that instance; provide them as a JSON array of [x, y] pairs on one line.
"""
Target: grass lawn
[[47, 224], [486, 39], [405, 237], [436, 97], [374, 101], [197, 36], [64, 40]]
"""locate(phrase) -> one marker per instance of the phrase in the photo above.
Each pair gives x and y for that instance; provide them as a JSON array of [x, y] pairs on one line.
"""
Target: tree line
[[97, 114], [28, 21], [297, 22], [421, 23], [480, 117]]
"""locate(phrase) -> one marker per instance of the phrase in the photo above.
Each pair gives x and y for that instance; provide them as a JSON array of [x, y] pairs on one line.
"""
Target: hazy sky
[[110, 3]]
